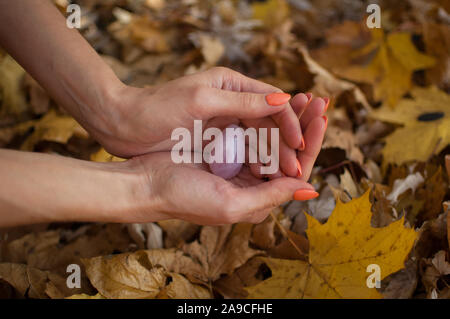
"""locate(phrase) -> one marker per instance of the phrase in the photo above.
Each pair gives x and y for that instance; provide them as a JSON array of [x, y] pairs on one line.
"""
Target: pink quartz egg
[[227, 170]]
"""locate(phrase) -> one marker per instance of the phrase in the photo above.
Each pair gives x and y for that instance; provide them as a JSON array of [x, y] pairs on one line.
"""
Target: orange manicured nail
[[327, 102], [302, 144], [299, 169], [305, 194], [276, 99], [325, 118], [309, 96]]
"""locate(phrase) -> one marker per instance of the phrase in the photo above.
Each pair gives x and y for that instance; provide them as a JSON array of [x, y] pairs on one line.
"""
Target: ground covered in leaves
[[383, 173]]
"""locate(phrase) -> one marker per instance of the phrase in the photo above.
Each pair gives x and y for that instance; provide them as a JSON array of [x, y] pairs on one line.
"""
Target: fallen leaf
[[345, 140], [103, 156], [39, 99], [437, 41], [339, 254], [220, 250], [138, 275], [53, 128], [411, 182], [12, 99], [177, 232], [426, 122], [232, 286], [435, 270], [34, 283], [391, 69], [326, 84], [148, 235]]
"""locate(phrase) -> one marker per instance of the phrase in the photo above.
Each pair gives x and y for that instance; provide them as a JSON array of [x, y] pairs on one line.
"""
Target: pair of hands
[[137, 124], [140, 125]]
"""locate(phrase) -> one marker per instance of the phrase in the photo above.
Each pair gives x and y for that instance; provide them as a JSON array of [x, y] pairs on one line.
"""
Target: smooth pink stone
[[227, 170]]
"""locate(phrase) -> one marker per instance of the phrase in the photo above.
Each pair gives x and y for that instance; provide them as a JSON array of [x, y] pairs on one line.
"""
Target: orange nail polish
[[302, 144], [305, 194], [309, 96], [276, 99], [327, 102], [325, 118], [299, 169]]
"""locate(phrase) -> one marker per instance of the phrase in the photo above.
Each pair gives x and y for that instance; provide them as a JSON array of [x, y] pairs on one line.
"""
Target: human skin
[[43, 188], [131, 122]]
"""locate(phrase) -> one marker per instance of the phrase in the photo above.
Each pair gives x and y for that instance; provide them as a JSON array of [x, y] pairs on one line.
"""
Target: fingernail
[[305, 194], [327, 102], [309, 96], [325, 118], [299, 169], [302, 144], [276, 99]]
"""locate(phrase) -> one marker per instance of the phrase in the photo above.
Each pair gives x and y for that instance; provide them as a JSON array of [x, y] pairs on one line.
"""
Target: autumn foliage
[[383, 173]]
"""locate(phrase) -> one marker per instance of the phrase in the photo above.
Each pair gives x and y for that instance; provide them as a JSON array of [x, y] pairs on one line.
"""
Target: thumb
[[244, 105], [254, 203]]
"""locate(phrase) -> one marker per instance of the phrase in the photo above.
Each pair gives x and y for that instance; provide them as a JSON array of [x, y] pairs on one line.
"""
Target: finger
[[314, 135], [300, 102], [210, 102], [289, 126], [286, 155], [315, 109], [251, 203], [228, 79]]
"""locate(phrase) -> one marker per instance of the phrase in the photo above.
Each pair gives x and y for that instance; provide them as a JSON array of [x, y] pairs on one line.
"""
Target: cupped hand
[[190, 192], [145, 117]]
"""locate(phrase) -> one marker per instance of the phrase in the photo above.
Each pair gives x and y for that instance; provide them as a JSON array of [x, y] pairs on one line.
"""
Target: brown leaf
[[143, 274], [39, 99], [345, 140], [232, 286], [177, 232], [221, 249], [34, 283]]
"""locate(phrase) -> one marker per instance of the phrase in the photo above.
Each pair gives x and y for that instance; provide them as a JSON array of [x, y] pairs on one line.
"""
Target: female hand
[[192, 193], [145, 118], [132, 121]]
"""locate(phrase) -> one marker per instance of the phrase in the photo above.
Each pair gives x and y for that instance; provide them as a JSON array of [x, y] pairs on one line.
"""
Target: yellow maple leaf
[[340, 252], [426, 126], [53, 128], [391, 69]]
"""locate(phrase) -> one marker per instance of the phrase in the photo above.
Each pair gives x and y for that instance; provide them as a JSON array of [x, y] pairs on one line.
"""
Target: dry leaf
[[391, 69], [12, 99], [143, 274], [339, 254], [426, 124], [34, 283], [53, 128], [345, 140], [220, 250], [103, 156]]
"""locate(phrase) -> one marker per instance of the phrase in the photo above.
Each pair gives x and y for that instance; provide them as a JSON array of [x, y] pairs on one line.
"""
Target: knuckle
[[197, 96], [220, 70], [248, 100]]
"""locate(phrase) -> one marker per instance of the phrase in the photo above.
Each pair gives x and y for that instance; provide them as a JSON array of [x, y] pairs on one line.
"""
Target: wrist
[[127, 193]]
